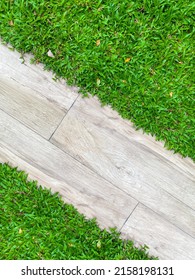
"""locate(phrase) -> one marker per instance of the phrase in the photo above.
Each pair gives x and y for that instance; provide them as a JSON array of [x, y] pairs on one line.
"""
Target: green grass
[[136, 56], [36, 224]]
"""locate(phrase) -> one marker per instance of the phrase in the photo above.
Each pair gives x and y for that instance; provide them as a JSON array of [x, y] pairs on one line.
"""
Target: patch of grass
[[136, 56], [36, 224]]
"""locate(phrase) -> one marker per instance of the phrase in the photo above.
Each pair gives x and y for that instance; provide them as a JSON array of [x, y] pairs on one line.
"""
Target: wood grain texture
[[37, 113], [164, 186], [164, 239], [33, 77], [89, 192], [108, 119], [96, 160]]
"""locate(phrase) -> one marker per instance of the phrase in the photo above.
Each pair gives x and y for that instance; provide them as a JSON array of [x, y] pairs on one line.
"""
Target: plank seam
[[168, 221], [62, 120], [129, 216]]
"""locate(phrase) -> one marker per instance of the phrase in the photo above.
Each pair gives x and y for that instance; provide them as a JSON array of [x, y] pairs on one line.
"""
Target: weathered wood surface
[[32, 76], [36, 112], [92, 194], [164, 239], [95, 159], [133, 167]]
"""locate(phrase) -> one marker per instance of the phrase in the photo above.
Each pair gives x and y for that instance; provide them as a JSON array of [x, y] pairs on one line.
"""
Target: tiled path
[[95, 159]]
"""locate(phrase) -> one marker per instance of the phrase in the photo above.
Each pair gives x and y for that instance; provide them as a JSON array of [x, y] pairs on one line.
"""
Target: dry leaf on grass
[[11, 23], [98, 82], [127, 59], [97, 42], [50, 54]]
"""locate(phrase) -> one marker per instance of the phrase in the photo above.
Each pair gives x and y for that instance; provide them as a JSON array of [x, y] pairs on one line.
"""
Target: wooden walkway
[[95, 159]]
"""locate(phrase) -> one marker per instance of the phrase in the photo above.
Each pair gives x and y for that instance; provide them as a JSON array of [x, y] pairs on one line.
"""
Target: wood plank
[[106, 118], [89, 133], [56, 186], [33, 77], [90, 193], [164, 239], [37, 113]]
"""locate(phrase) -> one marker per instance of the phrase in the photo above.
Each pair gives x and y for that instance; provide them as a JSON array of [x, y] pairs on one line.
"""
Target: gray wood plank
[[90, 134], [164, 239], [106, 118], [33, 77], [67, 193], [37, 113], [90, 193]]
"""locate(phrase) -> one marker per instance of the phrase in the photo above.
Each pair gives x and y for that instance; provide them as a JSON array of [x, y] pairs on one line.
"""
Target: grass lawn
[[36, 224], [136, 56]]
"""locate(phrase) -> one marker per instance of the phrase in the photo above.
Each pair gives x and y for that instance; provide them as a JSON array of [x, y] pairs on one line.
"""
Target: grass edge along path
[[36, 224], [136, 56]]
